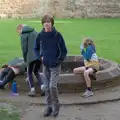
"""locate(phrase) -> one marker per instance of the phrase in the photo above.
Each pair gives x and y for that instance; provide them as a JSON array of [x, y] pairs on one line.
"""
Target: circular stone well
[[107, 76]]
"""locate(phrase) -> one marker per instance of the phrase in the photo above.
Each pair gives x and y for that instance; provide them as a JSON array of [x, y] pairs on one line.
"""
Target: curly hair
[[88, 41]]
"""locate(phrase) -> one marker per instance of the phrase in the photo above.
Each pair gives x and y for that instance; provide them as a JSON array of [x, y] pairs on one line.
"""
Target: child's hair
[[4, 66], [47, 18], [20, 27], [88, 41]]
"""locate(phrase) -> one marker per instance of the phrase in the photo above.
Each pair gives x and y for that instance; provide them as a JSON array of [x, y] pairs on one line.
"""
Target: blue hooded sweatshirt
[[53, 48], [89, 53]]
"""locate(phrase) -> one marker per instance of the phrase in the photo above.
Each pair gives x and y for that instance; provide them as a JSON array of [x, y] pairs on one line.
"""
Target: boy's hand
[[42, 58]]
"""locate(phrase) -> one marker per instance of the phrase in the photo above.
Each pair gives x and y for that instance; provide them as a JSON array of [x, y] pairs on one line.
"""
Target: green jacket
[[19, 63], [28, 38]]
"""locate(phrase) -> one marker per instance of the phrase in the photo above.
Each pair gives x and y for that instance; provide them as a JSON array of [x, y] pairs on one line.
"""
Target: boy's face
[[19, 31], [19, 28], [47, 25]]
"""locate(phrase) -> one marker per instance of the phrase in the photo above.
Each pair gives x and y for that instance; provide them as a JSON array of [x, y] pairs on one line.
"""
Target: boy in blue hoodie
[[91, 62], [53, 53]]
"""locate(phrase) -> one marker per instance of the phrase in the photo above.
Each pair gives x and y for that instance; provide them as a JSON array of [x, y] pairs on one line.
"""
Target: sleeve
[[87, 54], [37, 47], [24, 46], [63, 48], [81, 49]]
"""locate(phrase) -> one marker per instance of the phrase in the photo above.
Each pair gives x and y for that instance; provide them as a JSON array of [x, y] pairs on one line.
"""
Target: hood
[[93, 47], [27, 29], [52, 33]]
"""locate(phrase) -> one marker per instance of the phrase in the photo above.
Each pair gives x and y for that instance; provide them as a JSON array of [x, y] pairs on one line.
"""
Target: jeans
[[51, 77]]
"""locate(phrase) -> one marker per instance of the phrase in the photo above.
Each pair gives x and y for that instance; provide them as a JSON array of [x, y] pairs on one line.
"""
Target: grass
[[9, 113], [105, 33], [5, 115]]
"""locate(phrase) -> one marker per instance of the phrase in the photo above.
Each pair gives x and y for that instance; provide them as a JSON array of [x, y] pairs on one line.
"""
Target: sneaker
[[92, 76], [88, 93], [56, 110], [43, 87], [32, 94], [27, 79], [1, 86], [47, 111], [42, 93]]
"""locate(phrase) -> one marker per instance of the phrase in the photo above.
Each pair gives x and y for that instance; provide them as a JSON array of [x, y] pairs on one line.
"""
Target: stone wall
[[94, 8], [59, 8]]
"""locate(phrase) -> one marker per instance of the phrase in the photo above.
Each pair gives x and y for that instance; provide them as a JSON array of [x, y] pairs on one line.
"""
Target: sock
[[89, 88], [32, 89]]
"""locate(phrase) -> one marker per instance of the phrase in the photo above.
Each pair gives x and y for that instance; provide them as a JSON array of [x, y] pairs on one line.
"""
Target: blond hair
[[88, 41]]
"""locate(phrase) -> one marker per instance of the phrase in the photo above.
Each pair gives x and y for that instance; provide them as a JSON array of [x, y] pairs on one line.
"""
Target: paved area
[[101, 96], [104, 105], [108, 111]]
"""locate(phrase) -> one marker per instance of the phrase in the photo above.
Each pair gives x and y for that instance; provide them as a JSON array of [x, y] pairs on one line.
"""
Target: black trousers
[[6, 76], [34, 67]]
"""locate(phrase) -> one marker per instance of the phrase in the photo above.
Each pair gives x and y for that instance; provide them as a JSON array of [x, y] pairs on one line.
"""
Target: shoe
[[42, 87], [56, 110], [88, 93], [1, 87], [47, 111], [42, 93], [93, 77], [32, 94]]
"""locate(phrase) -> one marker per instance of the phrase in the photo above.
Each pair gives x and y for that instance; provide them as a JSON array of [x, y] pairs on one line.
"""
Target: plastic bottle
[[14, 87]]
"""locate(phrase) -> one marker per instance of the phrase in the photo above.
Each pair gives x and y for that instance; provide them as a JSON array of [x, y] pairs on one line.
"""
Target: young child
[[28, 36], [53, 53], [91, 62]]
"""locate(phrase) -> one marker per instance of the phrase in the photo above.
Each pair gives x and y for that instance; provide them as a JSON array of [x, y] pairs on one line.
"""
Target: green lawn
[[105, 33], [9, 112], [5, 115]]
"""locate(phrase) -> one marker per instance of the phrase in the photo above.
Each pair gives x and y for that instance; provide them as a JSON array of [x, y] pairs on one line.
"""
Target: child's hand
[[42, 58], [81, 47]]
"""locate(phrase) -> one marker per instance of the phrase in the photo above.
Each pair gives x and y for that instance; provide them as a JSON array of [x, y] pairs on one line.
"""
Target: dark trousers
[[6, 76], [34, 67]]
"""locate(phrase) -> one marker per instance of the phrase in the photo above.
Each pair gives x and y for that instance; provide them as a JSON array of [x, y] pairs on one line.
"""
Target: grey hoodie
[[28, 37]]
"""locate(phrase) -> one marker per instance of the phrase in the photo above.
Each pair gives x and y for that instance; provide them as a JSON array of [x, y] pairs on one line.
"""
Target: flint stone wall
[[59, 8]]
